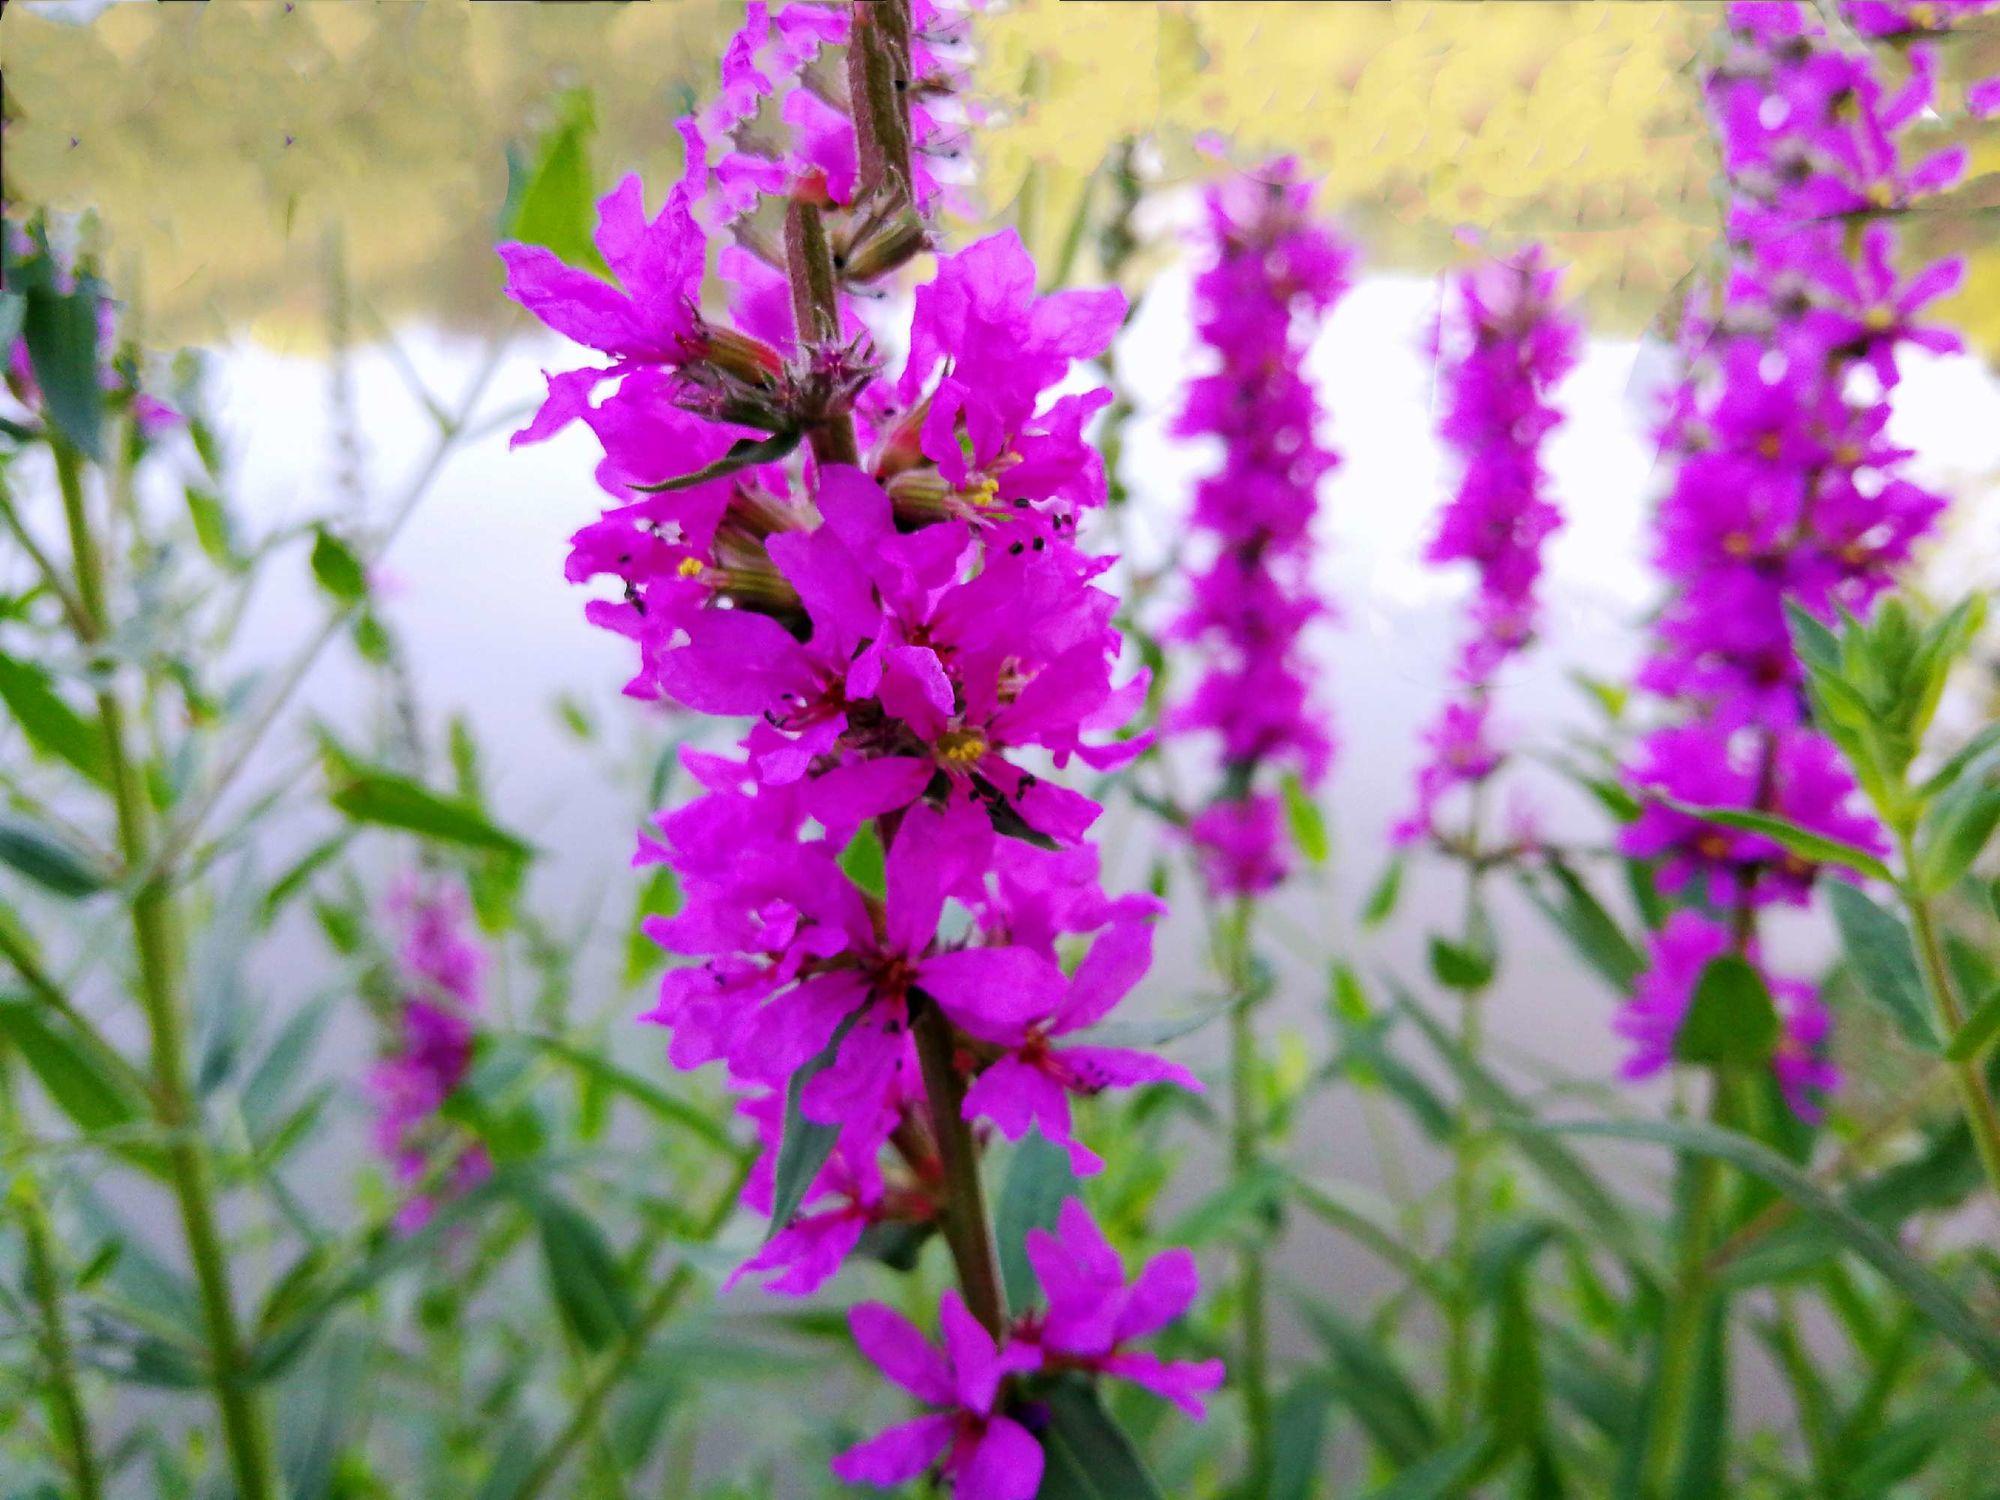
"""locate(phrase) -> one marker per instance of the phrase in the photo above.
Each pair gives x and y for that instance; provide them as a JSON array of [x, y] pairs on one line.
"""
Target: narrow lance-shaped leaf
[[392, 801], [1816, 848], [54, 728], [584, 1276], [1038, 1180], [1086, 1454], [1879, 951], [48, 860], [805, 1144]]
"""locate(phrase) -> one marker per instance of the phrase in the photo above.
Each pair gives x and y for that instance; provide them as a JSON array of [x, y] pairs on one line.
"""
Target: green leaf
[[54, 728], [391, 801], [301, 873], [1818, 647], [337, 568], [1937, 1302], [1370, 1384], [1514, 1393], [212, 529], [1381, 903], [744, 453], [1304, 819], [1978, 1032], [47, 859], [584, 1278], [1038, 1182], [805, 1144], [1461, 966], [862, 861], [1731, 1020], [1878, 948], [1086, 1455], [77, 1078], [61, 331], [1591, 929], [1814, 848], [551, 204], [1298, 1433], [1444, 1475], [1954, 833]]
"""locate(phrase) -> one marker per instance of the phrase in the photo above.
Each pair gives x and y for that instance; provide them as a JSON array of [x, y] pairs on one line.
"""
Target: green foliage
[[1732, 1022], [549, 200]]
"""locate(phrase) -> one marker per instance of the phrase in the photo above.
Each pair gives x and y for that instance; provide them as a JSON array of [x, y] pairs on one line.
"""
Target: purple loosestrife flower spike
[[1272, 274], [1786, 489], [916, 647], [1506, 340]]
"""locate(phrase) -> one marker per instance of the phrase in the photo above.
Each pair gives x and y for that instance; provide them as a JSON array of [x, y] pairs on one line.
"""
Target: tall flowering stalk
[[881, 572], [1787, 490], [1270, 277], [1504, 340]]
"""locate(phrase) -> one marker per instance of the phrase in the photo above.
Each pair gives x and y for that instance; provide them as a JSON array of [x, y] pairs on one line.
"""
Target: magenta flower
[[986, 1454], [1030, 1083], [1093, 1313], [1272, 275]]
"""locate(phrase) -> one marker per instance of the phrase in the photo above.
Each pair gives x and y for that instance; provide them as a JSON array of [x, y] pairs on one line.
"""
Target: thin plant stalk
[[68, 1416], [159, 946], [1976, 1098], [1253, 1369]]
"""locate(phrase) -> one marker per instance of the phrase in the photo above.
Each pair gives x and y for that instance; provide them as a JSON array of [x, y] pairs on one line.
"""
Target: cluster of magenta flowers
[[896, 937], [1272, 276], [1787, 491], [1504, 340], [438, 972]]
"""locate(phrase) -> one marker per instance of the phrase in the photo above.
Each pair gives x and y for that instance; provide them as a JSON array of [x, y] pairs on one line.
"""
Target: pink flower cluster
[[1506, 340], [1272, 276], [892, 911], [1090, 1318], [1788, 489], [430, 1053]]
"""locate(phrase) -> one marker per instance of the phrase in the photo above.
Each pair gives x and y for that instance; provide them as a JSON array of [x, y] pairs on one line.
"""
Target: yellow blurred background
[[221, 145]]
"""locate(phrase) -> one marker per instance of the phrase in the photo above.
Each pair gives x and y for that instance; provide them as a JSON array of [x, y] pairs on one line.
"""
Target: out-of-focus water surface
[[239, 154]]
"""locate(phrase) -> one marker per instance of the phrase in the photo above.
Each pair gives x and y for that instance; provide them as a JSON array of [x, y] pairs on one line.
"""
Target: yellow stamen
[[690, 567], [962, 747]]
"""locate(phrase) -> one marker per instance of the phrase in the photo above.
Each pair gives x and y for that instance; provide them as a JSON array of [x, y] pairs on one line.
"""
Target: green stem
[[1466, 1140], [632, 1343], [157, 940], [67, 1414], [1687, 1315], [968, 1228], [1981, 1116], [1253, 1364]]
